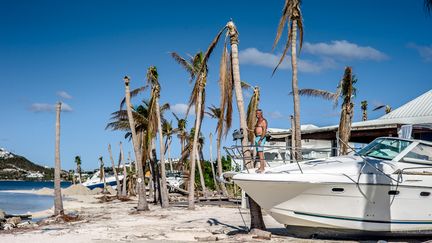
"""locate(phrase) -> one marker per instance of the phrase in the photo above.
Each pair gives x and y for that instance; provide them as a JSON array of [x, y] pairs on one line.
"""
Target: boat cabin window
[[384, 148], [421, 154]]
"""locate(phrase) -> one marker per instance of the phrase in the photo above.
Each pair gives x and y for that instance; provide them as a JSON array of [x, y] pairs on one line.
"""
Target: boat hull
[[96, 182], [342, 205]]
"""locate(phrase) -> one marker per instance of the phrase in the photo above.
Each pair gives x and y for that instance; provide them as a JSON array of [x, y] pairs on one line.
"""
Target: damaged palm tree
[[142, 199], [292, 18], [251, 112], [197, 69], [58, 201], [364, 106], [215, 112], [346, 91], [155, 123], [78, 168], [114, 170], [230, 79]]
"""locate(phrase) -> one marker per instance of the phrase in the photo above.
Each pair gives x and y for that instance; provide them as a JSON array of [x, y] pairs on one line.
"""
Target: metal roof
[[418, 107], [417, 111]]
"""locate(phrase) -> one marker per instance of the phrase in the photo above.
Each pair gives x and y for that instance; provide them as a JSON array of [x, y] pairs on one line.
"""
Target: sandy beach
[[118, 221]]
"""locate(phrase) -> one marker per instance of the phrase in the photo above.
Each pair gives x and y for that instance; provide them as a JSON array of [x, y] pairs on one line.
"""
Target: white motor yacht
[[385, 188]]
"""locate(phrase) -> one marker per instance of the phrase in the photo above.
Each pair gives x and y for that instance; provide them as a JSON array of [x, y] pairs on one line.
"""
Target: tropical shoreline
[[119, 221]]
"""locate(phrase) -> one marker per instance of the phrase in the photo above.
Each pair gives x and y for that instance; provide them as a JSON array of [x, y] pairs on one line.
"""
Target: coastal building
[[413, 118]]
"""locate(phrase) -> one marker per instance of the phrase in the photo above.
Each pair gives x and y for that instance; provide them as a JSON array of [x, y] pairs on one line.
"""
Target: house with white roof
[[417, 114]]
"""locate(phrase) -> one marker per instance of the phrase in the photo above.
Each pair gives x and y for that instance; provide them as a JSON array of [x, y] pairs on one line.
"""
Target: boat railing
[[247, 157]]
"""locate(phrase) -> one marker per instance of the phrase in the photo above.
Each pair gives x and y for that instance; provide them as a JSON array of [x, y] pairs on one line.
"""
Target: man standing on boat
[[260, 138]]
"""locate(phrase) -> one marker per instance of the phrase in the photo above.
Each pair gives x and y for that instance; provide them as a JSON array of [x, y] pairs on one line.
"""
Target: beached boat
[[96, 181], [385, 188]]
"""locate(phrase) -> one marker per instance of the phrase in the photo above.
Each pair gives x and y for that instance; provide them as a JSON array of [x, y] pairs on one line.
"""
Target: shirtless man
[[260, 138]]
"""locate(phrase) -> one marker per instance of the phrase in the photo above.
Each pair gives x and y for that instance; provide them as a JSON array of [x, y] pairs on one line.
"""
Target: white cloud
[[276, 115], [181, 109], [64, 95], [66, 107], [253, 56], [424, 51], [344, 49], [41, 107], [44, 107]]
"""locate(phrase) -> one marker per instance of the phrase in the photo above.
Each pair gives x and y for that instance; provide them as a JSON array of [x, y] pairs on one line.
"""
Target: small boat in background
[[96, 181]]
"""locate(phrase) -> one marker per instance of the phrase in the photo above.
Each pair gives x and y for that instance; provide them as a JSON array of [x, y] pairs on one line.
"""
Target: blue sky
[[78, 51]]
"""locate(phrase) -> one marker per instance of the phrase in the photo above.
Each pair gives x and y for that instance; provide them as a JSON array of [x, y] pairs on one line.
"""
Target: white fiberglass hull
[[335, 202]]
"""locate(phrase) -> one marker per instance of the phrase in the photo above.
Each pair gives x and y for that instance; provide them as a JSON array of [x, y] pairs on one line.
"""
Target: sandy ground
[[117, 221]]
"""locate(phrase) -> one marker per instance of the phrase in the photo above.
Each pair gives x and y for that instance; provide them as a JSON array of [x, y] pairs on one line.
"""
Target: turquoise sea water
[[22, 203]]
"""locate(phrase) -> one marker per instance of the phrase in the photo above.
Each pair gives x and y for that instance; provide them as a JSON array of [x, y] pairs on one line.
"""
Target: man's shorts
[[259, 148]]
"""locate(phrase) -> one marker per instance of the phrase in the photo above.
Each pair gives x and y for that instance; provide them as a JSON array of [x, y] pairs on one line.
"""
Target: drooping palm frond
[[133, 93], [185, 64], [251, 112], [216, 113], [378, 107], [225, 87], [119, 119], [281, 25], [200, 84], [318, 93], [290, 13], [209, 50], [245, 85], [181, 122], [213, 111], [387, 109]]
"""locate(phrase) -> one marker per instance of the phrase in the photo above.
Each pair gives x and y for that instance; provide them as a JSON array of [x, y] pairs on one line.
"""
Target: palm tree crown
[[291, 14]]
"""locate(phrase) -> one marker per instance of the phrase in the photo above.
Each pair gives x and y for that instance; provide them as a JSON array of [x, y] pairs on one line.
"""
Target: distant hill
[[15, 167]]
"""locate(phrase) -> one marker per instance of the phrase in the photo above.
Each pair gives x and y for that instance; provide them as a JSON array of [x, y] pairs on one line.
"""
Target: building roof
[[416, 108], [416, 112]]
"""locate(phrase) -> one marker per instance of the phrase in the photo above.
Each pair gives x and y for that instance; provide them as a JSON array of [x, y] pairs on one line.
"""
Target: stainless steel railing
[[274, 154]]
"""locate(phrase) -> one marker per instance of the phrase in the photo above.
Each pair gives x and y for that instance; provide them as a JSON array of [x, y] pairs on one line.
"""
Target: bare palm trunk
[[182, 143], [211, 163], [102, 171], [124, 193], [237, 82], [114, 170], [201, 175], [79, 174], [58, 202], [219, 167], [164, 191], [142, 200], [191, 196], [169, 154], [345, 127], [255, 210], [296, 97], [364, 115], [293, 148]]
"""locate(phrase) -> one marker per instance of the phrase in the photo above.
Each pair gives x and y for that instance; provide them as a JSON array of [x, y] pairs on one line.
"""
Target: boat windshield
[[384, 148]]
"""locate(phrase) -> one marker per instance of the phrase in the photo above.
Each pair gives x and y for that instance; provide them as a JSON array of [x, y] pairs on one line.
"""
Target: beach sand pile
[[45, 191], [77, 189]]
